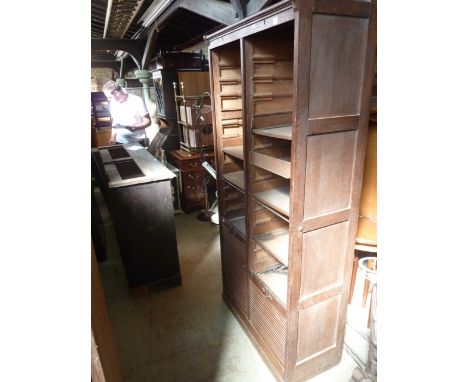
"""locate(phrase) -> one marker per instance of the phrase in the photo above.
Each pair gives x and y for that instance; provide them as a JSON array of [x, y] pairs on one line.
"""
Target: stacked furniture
[[290, 96], [101, 119], [165, 69]]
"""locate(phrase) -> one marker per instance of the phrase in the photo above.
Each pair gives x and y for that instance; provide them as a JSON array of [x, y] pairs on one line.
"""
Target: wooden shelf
[[282, 132], [277, 283], [237, 152], [280, 166], [236, 178], [276, 198], [276, 243]]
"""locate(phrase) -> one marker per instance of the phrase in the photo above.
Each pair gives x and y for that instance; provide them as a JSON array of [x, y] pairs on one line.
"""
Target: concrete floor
[[188, 333]]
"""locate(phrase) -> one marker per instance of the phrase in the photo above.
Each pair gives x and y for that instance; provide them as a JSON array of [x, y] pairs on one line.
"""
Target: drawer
[[268, 320], [192, 164], [192, 185], [195, 164]]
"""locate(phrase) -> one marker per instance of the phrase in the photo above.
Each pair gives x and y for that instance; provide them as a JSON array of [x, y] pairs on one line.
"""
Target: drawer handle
[[193, 164]]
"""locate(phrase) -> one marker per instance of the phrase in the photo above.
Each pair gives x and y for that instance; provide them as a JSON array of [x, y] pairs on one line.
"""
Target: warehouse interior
[[268, 77], [212, 240]]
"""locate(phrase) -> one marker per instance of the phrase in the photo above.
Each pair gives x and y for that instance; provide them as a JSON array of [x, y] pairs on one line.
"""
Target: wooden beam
[[238, 6], [125, 66], [134, 47], [106, 64], [134, 13], [150, 47], [168, 12], [253, 6], [222, 13]]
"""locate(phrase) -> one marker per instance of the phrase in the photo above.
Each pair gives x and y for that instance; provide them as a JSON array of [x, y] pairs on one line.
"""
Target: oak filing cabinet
[[290, 92]]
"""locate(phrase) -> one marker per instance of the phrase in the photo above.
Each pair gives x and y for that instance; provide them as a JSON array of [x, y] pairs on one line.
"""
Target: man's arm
[[142, 125], [113, 137]]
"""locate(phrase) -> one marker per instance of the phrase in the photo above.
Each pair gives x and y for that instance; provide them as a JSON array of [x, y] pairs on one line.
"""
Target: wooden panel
[[263, 50], [336, 89], [323, 258], [332, 124], [195, 83], [349, 8], [143, 217], [327, 219], [317, 329], [103, 135], [328, 177]]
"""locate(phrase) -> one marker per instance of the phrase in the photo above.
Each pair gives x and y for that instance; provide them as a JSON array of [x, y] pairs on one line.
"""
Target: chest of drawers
[[193, 174]]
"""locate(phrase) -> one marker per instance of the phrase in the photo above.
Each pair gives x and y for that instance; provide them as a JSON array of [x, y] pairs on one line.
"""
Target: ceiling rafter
[[159, 25], [121, 14]]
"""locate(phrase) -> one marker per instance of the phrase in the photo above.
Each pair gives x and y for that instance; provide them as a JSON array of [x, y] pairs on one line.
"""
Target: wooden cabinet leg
[[353, 279], [366, 291], [366, 284]]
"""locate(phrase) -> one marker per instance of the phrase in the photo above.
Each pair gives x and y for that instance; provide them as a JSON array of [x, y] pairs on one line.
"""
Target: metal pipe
[[108, 14]]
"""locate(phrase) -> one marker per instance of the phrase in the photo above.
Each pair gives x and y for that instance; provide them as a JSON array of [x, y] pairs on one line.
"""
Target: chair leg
[[353, 279]]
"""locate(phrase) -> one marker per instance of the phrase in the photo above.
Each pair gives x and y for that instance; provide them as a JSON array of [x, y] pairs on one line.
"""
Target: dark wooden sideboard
[[137, 190], [193, 174]]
